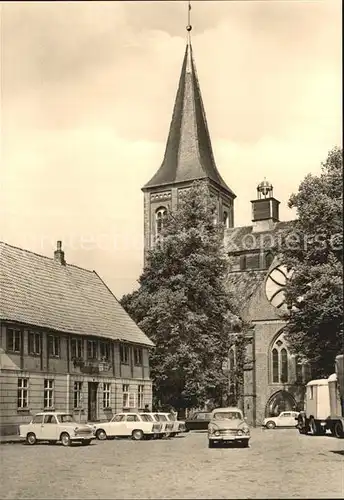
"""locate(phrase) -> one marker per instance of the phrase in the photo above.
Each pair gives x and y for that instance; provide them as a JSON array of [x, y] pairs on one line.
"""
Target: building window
[[124, 354], [104, 351], [106, 395], [92, 349], [253, 261], [140, 399], [275, 366], [160, 219], [138, 356], [54, 346], [34, 343], [13, 340], [268, 259], [125, 391], [280, 360], [23, 393], [48, 393], [226, 219], [77, 394], [284, 365], [242, 262], [77, 348]]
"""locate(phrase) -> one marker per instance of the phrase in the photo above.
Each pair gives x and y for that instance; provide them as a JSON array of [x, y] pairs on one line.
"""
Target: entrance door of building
[[92, 401]]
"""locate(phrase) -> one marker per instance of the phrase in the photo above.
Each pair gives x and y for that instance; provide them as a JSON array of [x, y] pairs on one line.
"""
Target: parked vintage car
[[135, 425], [227, 425], [178, 425], [166, 424], [284, 419], [56, 426], [198, 421]]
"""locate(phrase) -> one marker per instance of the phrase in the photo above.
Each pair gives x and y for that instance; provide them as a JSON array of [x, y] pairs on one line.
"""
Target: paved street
[[279, 464]]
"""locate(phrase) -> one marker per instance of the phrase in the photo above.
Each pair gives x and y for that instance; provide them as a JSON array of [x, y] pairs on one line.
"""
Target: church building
[[273, 379]]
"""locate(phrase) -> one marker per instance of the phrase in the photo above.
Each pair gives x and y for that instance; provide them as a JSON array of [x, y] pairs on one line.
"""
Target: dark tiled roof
[[188, 155], [39, 291], [243, 284], [243, 238]]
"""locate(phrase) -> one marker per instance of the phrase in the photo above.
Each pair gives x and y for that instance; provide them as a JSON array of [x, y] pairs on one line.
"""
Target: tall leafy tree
[[183, 305], [313, 250]]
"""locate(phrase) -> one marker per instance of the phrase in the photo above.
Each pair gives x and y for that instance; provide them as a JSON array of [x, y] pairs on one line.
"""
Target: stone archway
[[280, 401]]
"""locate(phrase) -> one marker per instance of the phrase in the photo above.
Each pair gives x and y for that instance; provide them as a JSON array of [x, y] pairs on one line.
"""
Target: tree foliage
[[313, 250], [183, 305]]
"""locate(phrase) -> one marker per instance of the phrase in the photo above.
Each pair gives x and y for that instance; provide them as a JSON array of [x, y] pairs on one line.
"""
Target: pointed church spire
[[188, 154]]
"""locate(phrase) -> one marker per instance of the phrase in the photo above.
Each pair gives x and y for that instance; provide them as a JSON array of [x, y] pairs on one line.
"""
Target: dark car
[[198, 421]]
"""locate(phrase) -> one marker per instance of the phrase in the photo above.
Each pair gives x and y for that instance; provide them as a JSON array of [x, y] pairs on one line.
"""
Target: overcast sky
[[87, 95]]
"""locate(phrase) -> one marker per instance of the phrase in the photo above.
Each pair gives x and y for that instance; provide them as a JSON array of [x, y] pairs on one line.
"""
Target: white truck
[[324, 404]]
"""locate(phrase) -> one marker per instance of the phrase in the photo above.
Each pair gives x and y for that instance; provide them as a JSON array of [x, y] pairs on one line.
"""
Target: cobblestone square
[[279, 464]]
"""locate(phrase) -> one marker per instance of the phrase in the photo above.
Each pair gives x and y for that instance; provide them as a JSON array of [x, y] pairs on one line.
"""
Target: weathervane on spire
[[189, 27]]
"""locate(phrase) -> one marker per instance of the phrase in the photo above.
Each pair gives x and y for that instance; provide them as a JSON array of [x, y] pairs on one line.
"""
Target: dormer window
[[160, 218]]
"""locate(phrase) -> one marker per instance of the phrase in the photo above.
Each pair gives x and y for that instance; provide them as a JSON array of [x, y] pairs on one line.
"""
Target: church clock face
[[275, 285]]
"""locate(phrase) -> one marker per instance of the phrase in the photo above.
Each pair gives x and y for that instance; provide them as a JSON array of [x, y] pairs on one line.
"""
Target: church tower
[[188, 157]]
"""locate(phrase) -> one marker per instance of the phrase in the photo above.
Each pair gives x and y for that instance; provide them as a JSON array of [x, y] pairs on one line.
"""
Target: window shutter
[[242, 262]]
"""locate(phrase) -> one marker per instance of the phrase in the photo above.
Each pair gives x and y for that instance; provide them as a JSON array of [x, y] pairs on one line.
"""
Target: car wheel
[[172, 434], [65, 439], [313, 427], [137, 435], [31, 438], [338, 430], [270, 424], [101, 435], [86, 442]]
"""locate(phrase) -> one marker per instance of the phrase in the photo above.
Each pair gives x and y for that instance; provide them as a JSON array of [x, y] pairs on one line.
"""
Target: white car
[[167, 425], [228, 425], [284, 419], [178, 425], [56, 426], [135, 425]]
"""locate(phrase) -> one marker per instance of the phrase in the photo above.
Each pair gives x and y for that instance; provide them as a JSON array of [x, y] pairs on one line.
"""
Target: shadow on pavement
[[338, 452]]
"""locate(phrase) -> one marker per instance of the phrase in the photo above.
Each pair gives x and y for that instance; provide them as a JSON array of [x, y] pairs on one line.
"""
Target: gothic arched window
[[275, 365], [279, 359], [284, 365], [160, 218]]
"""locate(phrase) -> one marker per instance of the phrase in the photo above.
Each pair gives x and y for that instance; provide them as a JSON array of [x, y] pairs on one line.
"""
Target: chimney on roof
[[59, 254]]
